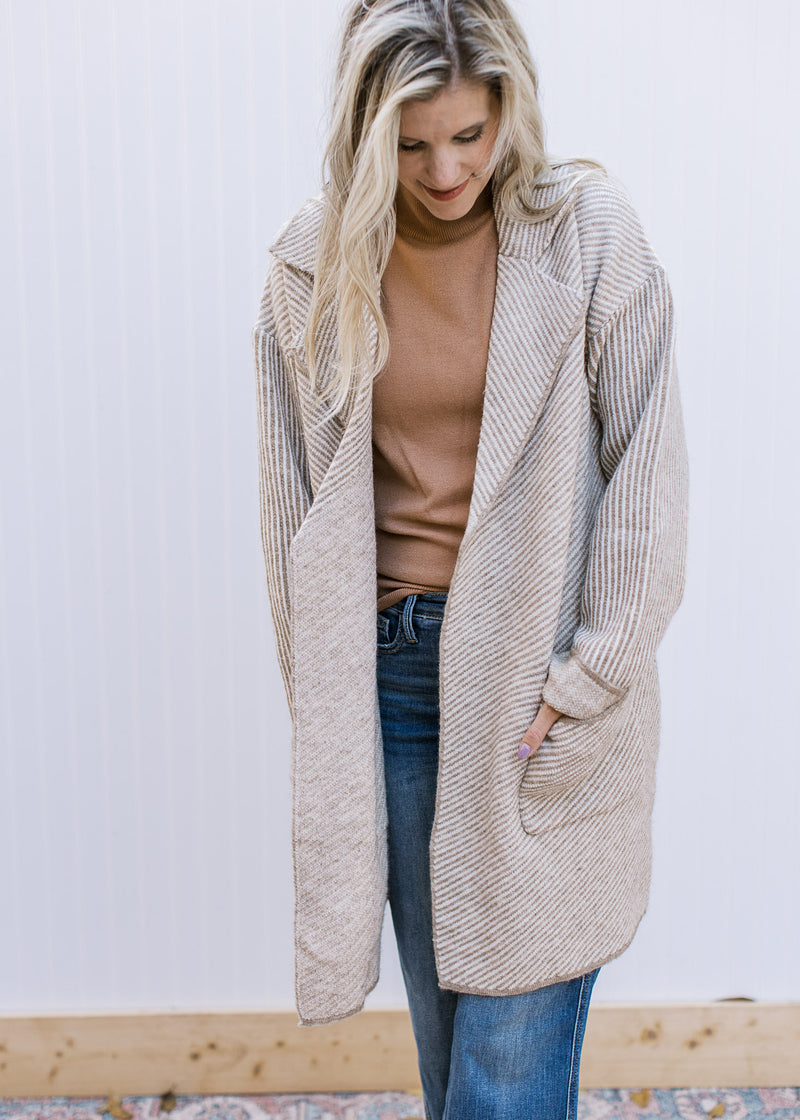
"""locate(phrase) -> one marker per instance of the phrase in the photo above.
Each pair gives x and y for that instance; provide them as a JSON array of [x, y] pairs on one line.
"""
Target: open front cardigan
[[570, 568]]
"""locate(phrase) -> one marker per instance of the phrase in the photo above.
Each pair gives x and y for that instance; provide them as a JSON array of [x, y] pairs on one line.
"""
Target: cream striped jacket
[[570, 568]]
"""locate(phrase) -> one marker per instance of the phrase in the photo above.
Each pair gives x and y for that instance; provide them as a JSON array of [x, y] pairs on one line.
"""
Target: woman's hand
[[532, 739]]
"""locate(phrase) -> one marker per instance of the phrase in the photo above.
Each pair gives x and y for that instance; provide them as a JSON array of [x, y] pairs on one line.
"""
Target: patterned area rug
[[594, 1104]]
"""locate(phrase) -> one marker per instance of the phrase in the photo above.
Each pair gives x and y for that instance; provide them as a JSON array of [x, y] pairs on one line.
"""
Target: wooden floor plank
[[730, 1043]]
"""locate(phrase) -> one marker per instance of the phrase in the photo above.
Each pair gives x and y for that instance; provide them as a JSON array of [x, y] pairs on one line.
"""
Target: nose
[[444, 172]]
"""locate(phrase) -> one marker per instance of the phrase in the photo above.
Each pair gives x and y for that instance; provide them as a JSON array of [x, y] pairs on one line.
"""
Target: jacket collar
[[296, 240], [538, 311]]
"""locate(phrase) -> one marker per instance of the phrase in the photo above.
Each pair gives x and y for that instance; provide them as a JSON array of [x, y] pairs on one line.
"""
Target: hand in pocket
[[533, 737]]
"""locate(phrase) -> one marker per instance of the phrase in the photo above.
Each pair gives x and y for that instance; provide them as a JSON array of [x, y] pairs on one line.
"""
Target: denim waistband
[[430, 603]]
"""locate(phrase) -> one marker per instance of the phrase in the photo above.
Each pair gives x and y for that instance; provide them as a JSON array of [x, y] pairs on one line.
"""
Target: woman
[[470, 428]]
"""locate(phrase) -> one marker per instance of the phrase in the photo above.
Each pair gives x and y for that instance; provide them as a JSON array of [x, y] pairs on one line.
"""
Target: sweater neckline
[[415, 222]]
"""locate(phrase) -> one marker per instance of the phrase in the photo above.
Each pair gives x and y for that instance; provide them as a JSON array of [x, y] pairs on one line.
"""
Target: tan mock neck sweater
[[437, 295]]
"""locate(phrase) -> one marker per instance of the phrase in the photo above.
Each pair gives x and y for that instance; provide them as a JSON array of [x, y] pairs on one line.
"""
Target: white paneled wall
[[149, 153]]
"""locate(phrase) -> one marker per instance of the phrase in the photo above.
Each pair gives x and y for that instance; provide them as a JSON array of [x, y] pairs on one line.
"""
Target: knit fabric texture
[[571, 564]]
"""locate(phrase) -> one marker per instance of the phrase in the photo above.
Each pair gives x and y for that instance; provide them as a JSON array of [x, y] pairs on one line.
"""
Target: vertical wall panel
[[151, 150]]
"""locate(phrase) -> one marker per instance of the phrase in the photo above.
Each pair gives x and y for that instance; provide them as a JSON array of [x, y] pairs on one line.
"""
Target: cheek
[[477, 155], [483, 155], [406, 168]]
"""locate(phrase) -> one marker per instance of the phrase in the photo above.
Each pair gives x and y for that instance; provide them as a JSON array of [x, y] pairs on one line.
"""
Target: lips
[[446, 196]]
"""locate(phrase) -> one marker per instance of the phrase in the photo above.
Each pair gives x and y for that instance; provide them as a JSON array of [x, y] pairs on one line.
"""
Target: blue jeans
[[480, 1057]]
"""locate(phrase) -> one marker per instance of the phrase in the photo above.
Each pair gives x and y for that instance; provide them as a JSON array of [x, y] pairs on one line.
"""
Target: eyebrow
[[468, 128]]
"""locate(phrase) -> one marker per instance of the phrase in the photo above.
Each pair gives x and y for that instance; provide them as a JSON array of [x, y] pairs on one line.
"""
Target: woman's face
[[443, 143]]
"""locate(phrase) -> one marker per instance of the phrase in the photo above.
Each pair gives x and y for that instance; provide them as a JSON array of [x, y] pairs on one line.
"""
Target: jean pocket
[[390, 630]]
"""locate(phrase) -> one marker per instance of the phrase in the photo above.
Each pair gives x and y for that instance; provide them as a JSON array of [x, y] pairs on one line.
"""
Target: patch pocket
[[589, 766], [390, 630]]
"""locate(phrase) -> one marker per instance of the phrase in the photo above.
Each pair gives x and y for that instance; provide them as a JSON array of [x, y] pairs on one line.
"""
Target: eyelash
[[459, 140]]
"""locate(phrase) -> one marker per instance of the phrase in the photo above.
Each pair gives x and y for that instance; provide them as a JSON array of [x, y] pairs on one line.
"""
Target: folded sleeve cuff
[[574, 690]]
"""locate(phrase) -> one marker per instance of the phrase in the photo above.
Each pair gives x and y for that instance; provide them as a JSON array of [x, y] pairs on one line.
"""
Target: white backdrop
[[150, 152]]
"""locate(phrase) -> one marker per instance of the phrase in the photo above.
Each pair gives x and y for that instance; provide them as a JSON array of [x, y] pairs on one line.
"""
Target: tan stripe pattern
[[571, 566]]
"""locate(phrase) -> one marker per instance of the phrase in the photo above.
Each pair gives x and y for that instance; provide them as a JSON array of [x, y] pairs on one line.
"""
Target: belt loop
[[408, 610]]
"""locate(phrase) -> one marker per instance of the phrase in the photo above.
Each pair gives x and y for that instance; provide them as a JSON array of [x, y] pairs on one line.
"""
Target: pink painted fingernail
[[524, 751]]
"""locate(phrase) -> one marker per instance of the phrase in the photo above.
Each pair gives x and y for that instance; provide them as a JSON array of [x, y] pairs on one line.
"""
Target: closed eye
[[458, 140]]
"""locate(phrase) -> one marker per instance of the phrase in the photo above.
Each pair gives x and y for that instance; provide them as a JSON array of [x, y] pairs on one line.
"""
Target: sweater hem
[[478, 990], [334, 1017]]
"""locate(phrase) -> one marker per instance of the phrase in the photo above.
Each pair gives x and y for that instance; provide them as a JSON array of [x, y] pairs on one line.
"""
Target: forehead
[[456, 107]]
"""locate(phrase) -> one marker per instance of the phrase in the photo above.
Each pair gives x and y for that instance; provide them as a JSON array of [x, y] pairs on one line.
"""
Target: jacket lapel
[[535, 318], [538, 308]]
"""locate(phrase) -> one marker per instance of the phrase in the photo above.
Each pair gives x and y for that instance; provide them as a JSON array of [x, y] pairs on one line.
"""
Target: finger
[[532, 739], [534, 736]]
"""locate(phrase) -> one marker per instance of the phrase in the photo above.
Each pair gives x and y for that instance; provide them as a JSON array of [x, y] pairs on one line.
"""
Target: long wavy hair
[[393, 51]]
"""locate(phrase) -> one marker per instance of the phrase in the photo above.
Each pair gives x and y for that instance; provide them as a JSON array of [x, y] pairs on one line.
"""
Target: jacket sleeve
[[284, 488], [636, 567]]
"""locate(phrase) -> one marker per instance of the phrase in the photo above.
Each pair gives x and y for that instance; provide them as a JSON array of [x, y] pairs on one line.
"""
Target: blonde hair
[[393, 51]]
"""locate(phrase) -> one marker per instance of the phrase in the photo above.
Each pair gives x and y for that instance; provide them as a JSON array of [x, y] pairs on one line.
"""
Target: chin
[[455, 209]]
